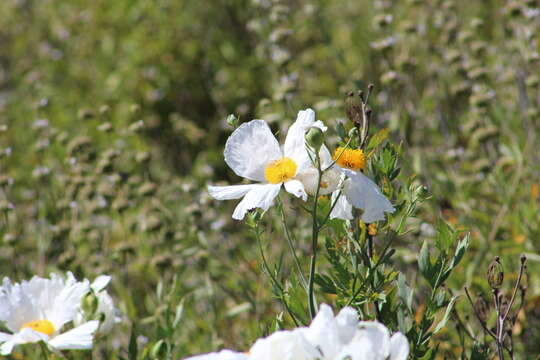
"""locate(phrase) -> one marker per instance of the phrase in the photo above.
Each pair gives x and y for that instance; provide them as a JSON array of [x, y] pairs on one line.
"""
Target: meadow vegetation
[[113, 121]]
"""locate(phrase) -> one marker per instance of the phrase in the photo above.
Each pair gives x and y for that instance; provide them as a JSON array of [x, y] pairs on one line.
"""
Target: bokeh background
[[113, 122]]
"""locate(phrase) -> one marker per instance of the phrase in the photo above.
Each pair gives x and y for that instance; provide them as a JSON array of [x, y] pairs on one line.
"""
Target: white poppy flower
[[328, 337], [105, 306], [36, 310], [253, 152]]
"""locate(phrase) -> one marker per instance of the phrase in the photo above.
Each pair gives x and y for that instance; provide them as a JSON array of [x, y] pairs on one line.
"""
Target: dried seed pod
[[495, 273]]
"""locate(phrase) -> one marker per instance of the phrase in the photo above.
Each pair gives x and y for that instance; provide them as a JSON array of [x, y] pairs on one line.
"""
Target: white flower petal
[[283, 345], [295, 143], [100, 283], [399, 347], [342, 209], [80, 337], [347, 321], [323, 333], [364, 194], [250, 148], [260, 196], [229, 192], [5, 336], [326, 157], [6, 347], [377, 334], [64, 305], [222, 355], [24, 336], [296, 188]]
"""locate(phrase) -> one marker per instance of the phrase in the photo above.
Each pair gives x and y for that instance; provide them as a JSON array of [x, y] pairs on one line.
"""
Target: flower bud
[[315, 138], [495, 273], [90, 304], [232, 120]]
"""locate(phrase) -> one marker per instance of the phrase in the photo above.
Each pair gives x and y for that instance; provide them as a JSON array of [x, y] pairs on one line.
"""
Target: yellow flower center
[[353, 159], [372, 229], [280, 170], [42, 326]]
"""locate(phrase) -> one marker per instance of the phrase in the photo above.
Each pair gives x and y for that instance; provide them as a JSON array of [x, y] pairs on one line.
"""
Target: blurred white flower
[[328, 337], [105, 310], [36, 310], [222, 355], [253, 152]]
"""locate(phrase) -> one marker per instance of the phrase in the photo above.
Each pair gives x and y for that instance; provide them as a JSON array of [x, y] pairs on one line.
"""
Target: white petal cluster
[[40, 309], [250, 149], [328, 337]]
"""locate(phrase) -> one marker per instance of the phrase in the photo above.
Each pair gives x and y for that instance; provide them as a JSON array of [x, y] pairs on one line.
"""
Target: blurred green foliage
[[113, 120]]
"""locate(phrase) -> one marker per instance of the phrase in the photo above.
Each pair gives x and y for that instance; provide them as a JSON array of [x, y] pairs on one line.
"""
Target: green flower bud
[[315, 138], [495, 273], [90, 304], [232, 120]]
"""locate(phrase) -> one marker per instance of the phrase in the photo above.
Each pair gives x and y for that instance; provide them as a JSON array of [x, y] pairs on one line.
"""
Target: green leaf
[[446, 316], [405, 293], [378, 138], [424, 264], [446, 236], [178, 314]]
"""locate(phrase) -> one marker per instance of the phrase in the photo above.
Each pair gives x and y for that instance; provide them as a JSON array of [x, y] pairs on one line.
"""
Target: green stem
[[272, 278], [314, 241], [289, 241], [44, 350]]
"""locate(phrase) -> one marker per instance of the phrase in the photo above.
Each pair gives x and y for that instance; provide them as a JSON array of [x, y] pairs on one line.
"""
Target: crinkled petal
[[323, 333], [260, 196], [296, 188], [364, 194], [377, 334], [100, 283], [295, 143], [347, 321], [284, 345], [80, 337], [399, 347], [250, 148], [343, 208], [222, 355], [326, 157], [229, 192]]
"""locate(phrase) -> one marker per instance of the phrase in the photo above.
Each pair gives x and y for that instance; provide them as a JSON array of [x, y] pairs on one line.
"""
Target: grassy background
[[112, 123]]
